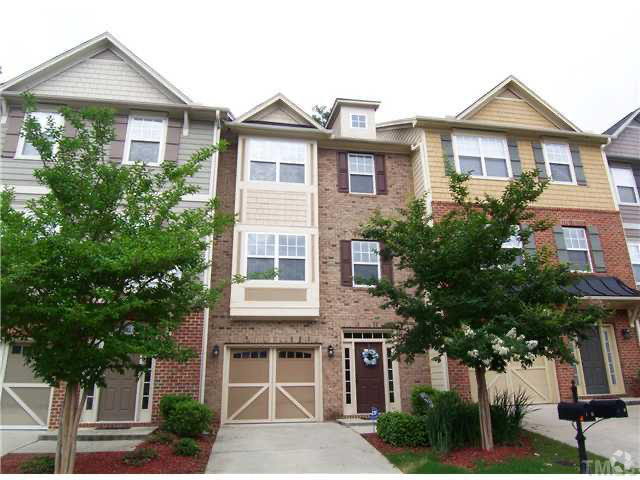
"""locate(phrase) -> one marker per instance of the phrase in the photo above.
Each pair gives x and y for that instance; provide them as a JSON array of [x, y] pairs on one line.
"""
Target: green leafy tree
[[104, 267], [321, 114], [467, 297]]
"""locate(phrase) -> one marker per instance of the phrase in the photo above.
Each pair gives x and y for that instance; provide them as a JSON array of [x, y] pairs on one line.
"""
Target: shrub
[[418, 405], [402, 430], [186, 447], [163, 438], [168, 404], [450, 422], [189, 419], [39, 465], [139, 456], [507, 413]]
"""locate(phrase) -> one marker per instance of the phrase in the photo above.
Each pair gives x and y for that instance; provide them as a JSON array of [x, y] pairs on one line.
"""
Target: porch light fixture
[[216, 351], [626, 333], [331, 351]]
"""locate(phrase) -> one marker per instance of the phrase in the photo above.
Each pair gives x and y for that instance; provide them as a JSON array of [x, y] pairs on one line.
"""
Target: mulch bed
[[111, 462], [463, 457]]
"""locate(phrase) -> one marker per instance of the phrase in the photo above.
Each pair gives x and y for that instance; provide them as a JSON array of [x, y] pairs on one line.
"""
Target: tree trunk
[[68, 430], [486, 434]]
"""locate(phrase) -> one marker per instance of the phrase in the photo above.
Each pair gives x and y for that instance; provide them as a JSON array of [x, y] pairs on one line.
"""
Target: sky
[[416, 57]]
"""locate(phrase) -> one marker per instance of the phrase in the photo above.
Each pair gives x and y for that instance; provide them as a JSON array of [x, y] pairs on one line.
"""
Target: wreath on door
[[370, 357]]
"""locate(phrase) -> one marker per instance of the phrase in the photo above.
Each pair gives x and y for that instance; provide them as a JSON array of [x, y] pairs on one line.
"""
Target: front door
[[369, 379], [595, 373], [118, 400]]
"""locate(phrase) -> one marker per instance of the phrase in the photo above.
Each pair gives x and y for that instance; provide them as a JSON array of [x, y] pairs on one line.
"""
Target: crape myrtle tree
[[100, 271], [467, 297]]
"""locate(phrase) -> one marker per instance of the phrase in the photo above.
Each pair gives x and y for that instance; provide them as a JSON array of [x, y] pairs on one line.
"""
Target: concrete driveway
[[294, 448], [605, 438], [11, 440]]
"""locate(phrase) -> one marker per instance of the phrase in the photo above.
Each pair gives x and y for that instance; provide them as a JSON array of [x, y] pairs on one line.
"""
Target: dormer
[[350, 118]]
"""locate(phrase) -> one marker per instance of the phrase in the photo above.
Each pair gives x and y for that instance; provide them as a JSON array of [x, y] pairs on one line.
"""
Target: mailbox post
[[582, 448]]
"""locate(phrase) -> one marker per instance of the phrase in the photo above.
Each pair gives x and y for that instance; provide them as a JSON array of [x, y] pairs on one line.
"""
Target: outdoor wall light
[[216, 350], [626, 333], [331, 351]]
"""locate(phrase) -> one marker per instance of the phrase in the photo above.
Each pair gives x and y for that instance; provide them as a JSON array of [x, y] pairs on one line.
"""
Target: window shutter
[[381, 176], [597, 254], [174, 130], [343, 173], [117, 145], [346, 274], [561, 247], [447, 153], [636, 175], [514, 155], [538, 156], [386, 266], [577, 164], [12, 134], [530, 246]]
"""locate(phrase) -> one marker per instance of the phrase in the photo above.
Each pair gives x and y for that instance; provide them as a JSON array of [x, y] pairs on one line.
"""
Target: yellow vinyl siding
[[512, 111], [595, 195]]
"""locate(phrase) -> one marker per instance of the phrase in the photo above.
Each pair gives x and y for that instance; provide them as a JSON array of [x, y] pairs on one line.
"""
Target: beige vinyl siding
[[595, 195], [277, 114], [513, 111], [200, 136], [417, 168], [438, 372], [273, 207], [3, 128]]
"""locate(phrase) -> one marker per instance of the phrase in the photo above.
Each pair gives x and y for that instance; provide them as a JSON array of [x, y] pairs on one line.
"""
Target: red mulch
[[464, 457], [111, 462]]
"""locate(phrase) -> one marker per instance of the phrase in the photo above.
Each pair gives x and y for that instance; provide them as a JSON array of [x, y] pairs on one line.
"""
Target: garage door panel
[[36, 399], [13, 414], [249, 366], [295, 366], [295, 403], [257, 409]]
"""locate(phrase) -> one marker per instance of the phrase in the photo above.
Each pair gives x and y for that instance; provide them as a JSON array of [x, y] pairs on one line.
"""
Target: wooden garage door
[[538, 381], [271, 384]]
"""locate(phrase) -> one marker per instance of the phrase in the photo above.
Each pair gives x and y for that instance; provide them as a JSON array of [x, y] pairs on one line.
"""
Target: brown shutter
[[386, 266], [346, 274], [117, 145], [174, 130], [343, 173], [12, 135], [381, 176]]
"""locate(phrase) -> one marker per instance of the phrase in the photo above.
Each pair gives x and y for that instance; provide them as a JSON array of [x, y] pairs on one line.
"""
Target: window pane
[[263, 171], [579, 260], [627, 194], [468, 146], [147, 129], [362, 184], [358, 121], [557, 153], [493, 147], [634, 252], [29, 149], [496, 167], [292, 172], [560, 173], [258, 266], [262, 244], [575, 238], [365, 274], [360, 163], [471, 165], [636, 272], [144, 152], [291, 246], [43, 120], [290, 269], [623, 176], [364, 252]]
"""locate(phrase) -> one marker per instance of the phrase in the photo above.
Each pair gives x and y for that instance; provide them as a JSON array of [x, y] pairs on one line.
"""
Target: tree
[[103, 268], [468, 297], [321, 114]]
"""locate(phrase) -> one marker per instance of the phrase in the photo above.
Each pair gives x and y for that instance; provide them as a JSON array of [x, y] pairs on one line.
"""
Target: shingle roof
[[614, 128], [602, 286]]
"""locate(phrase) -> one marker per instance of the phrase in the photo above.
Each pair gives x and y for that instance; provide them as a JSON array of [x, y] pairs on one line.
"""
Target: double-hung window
[[634, 254], [514, 242], [146, 139], [277, 161], [575, 239], [625, 183], [365, 263], [25, 149], [361, 173], [283, 253], [557, 158], [358, 120], [482, 156]]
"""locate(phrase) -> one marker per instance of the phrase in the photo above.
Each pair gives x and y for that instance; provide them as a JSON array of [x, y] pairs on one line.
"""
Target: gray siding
[[632, 234], [630, 213], [200, 135], [627, 145]]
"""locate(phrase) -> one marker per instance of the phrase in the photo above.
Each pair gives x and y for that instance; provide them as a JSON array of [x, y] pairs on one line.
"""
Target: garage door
[[272, 384], [538, 381]]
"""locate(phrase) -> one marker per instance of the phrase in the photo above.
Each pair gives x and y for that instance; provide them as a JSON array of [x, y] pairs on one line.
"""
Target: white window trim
[[372, 175], [276, 257], [364, 115], [353, 264], [588, 250], [633, 185], [629, 244], [547, 165], [304, 163], [482, 158], [163, 139], [21, 139]]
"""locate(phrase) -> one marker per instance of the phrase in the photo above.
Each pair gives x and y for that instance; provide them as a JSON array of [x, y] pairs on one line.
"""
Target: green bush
[[189, 419], [418, 405], [168, 404], [507, 414], [163, 438], [401, 429], [452, 422], [39, 465], [140, 456], [186, 447]]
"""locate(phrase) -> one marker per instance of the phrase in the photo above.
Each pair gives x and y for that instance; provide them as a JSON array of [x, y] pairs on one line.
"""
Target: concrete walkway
[[11, 440], [294, 448], [605, 438]]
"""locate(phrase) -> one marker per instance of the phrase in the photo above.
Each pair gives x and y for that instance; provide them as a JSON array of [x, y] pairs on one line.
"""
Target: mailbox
[[609, 408], [574, 411]]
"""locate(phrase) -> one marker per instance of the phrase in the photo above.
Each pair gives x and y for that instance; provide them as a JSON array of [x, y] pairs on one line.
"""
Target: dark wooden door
[[118, 400], [369, 380], [595, 373]]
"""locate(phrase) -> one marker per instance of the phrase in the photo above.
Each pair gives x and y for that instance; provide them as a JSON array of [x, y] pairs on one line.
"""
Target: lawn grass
[[552, 457]]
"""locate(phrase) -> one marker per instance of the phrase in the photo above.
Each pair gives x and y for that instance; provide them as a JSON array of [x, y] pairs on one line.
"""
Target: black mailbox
[[574, 411], [609, 408]]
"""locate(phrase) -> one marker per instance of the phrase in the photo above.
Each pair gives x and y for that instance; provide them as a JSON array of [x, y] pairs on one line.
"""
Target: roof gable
[[630, 118], [279, 110], [513, 102]]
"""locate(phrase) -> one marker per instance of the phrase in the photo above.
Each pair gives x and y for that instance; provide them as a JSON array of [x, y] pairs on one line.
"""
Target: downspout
[[612, 187], [212, 193]]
